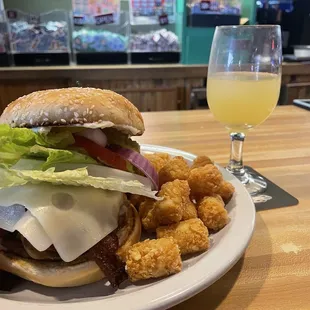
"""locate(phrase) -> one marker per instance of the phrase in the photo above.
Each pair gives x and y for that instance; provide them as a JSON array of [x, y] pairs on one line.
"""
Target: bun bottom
[[58, 274]]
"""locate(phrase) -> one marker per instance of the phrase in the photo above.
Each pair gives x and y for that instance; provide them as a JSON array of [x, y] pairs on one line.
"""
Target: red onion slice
[[139, 161]]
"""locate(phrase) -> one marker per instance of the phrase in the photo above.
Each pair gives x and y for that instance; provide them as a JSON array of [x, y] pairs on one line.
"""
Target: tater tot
[[147, 215], [176, 168], [190, 211], [205, 181], [226, 191], [170, 210], [201, 161], [189, 208], [212, 213], [191, 236], [153, 259], [164, 156], [158, 160], [216, 196]]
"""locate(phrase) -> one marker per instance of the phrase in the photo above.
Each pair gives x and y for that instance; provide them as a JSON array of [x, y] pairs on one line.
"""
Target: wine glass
[[243, 86]]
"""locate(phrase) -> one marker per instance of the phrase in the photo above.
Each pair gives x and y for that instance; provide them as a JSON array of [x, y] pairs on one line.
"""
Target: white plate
[[199, 272]]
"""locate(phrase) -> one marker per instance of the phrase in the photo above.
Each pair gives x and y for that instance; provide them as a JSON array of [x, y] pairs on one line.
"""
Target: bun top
[[84, 107]]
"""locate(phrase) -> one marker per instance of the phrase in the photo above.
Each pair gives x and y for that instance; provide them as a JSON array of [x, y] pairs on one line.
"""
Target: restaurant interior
[[227, 79], [50, 40]]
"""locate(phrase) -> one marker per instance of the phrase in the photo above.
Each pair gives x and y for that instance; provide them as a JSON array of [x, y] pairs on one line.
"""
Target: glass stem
[[235, 165]]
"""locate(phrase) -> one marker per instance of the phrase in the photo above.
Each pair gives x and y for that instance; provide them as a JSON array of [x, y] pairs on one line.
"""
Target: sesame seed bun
[[83, 107], [57, 274]]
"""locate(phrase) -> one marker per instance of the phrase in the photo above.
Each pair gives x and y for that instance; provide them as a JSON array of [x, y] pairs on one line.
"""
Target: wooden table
[[274, 273]]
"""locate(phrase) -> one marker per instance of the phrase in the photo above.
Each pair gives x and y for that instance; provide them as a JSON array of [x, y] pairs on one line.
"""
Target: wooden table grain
[[274, 273]]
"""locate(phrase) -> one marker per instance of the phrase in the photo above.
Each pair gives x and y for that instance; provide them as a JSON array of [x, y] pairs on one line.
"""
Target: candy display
[[4, 36], [152, 8], [3, 42], [90, 9], [98, 40], [216, 7], [46, 37], [148, 11], [157, 41]]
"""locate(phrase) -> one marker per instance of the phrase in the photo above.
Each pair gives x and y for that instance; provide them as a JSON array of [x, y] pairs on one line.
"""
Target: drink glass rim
[[247, 26]]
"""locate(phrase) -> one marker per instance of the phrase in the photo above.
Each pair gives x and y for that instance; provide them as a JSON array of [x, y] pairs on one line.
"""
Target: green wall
[[37, 6], [197, 41], [249, 10]]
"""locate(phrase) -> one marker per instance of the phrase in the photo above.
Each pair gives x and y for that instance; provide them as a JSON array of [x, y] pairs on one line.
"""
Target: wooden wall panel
[[147, 95], [150, 88], [11, 90]]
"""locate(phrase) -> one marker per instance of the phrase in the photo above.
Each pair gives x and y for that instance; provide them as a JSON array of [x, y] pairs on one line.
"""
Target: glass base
[[254, 184]]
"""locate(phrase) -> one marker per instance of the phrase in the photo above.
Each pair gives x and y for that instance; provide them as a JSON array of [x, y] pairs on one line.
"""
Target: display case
[[100, 32], [42, 39], [104, 43], [155, 32], [212, 13], [5, 59]]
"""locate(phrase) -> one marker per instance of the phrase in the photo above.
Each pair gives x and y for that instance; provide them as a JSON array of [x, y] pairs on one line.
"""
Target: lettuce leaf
[[116, 137], [17, 143], [9, 179], [48, 150], [53, 146], [54, 156], [14, 143], [60, 139], [27, 137], [77, 177], [10, 153], [20, 136]]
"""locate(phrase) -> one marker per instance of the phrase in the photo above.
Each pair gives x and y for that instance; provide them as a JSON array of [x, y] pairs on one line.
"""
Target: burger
[[67, 165]]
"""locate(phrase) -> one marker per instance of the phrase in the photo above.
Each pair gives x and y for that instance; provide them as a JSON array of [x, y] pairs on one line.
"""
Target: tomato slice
[[100, 153]]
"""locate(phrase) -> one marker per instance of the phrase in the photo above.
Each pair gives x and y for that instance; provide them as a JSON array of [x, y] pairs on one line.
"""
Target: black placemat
[[274, 197]]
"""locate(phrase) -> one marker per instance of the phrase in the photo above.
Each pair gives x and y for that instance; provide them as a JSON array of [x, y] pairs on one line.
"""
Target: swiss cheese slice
[[75, 218]]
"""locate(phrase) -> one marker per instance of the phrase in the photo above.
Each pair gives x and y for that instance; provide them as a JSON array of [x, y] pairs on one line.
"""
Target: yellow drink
[[242, 100]]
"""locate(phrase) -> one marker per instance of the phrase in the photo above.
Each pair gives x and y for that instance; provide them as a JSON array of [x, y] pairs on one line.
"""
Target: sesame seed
[[55, 122], [65, 109], [85, 120], [45, 113], [71, 109], [76, 114], [87, 110], [101, 115], [63, 121], [92, 106], [31, 121]]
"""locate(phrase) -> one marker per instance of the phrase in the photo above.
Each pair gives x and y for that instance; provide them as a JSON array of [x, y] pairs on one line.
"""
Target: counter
[[149, 87]]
